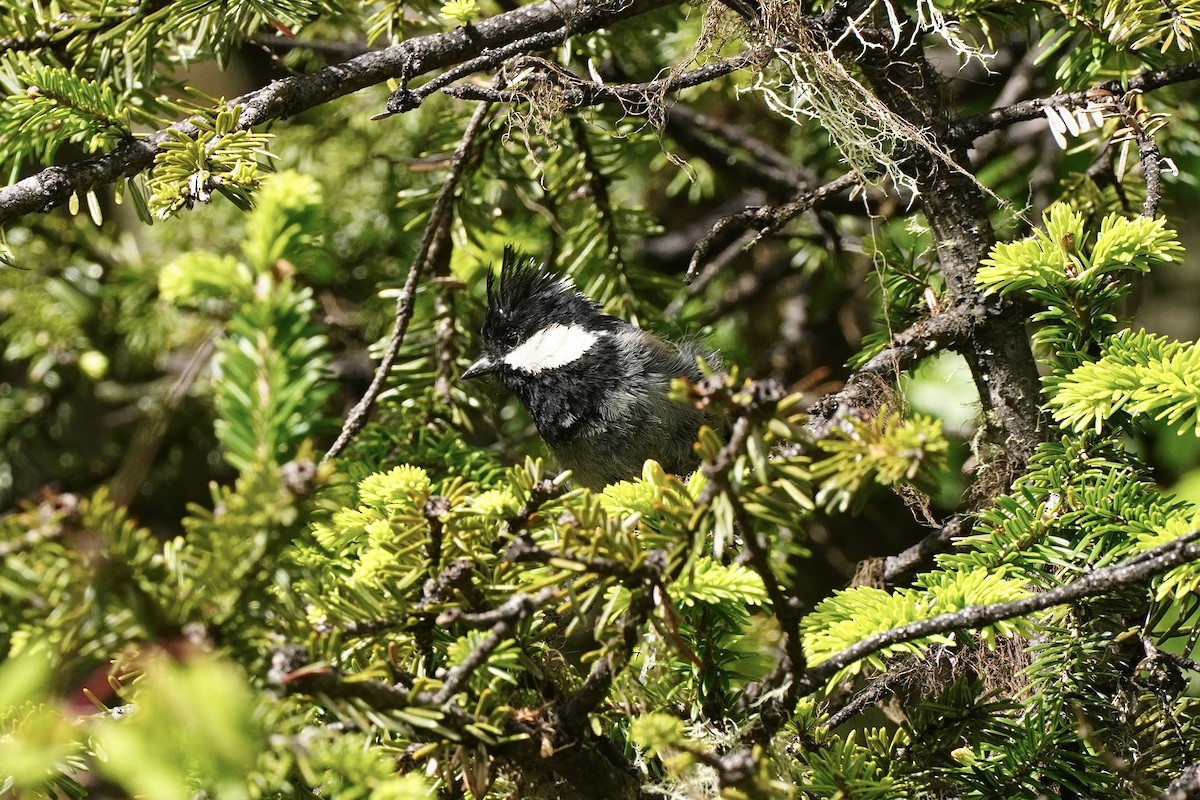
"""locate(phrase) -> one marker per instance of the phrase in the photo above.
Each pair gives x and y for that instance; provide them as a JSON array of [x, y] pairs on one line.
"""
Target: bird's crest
[[521, 279], [526, 296]]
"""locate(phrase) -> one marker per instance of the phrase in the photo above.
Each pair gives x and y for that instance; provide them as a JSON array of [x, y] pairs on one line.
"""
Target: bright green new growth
[[887, 450], [848, 616], [220, 158], [461, 11], [1077, 276], [1137, 374]]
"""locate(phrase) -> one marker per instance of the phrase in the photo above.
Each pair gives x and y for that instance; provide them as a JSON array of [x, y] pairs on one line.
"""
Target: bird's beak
[[484, 366]]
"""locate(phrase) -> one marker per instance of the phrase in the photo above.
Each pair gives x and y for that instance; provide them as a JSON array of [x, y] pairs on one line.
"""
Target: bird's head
[[536, 322]]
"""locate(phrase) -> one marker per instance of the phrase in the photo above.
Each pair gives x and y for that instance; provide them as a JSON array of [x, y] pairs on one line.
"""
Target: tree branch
[[1185, 787], [639, 99], [1132, 571], [949, 329], [572, 712], [438, 217], [1148, 155], [880, 688], [898, 567], [770, 218], [506, 618], [778, 707], [575, 770], [998, 351], [971, 128], [717, 141], [285, 98]]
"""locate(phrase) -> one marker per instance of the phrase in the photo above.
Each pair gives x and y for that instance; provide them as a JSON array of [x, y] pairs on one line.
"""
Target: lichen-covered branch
[[281, 99]]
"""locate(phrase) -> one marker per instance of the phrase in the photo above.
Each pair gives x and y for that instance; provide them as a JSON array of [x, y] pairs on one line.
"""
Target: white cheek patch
[[552, 347]]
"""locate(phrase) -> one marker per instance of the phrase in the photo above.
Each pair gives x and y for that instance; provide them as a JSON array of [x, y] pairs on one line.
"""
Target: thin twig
[[1148, 154], [139, 456], [712, 269], [764, 396], [542, 492], [638, 99], [358, 415], [445, 346], [898, 567], [743, 157], [880, 688], [598, 187], [794, 175], [405, 99], [770, 218], [507, 617]]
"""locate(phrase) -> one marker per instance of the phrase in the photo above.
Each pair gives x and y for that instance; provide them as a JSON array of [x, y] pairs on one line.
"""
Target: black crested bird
[[595, 386]]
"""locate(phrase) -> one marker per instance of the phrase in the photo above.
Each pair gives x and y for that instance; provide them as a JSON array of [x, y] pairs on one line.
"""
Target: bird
[[596, 387]]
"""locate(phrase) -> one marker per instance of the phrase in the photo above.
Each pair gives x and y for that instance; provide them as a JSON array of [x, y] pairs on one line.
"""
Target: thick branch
[[285, 98], [1185, 787], [1138, 569], [947, 330], [998, 352], [776, 710]]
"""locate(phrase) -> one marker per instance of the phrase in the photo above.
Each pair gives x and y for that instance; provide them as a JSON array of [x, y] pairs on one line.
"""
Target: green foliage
[[287, 228], [37, 746], [124, 45], [434, 612], [49, 107], [843, 764], [197, 279], [461, 11], [271, 376], [1077, 279], [907, 287], [716, 584], [90, 565], [214, 732], [220, 158], [381, 578], [851, 615], [886, 450], [1083, 502], [1126, 34], [1137, 374], [271, 364]]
